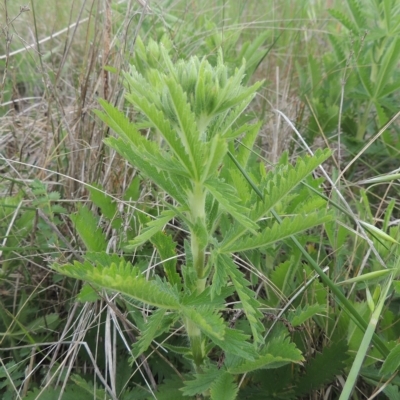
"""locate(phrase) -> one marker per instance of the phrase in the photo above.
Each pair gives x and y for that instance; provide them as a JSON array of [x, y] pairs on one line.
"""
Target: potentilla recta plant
[[199, 154]]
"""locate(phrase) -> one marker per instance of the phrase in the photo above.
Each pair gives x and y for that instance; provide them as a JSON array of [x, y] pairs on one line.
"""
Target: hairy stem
[[198, 248]]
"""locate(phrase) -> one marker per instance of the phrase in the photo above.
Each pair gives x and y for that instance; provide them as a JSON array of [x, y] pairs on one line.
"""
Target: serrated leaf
[[289, 226], [207, 320], [277, 185], [303, 314], [166, 248], [277, 353], [156, 324], [202, 382], [344, 20], [153, 227], [249, 303], [174, 185], [357, 12], [159, 121], [87, 226], [392, 361], [217, 149], [235, 342], [87, 387], [188, 131], [105, 203], [227, 199], [170, 389], [123, 278], [224, 387], [323, 368], [87, 294]]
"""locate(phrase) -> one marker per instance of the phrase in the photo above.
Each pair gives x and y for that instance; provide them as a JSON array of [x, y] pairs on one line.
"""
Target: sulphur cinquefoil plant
[[191, 140]]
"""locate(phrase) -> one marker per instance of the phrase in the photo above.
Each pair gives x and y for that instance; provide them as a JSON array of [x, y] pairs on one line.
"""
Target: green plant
[[353, 89], [194, 112]]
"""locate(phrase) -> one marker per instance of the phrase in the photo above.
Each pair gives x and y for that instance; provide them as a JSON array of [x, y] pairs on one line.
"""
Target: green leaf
[[249, 303], [188, 132], [392, 362], [344, 20], [289, 226], [207, 320], [225, 195], [158, 120], [101, 199], [174, 185], [202, 382], [156, 324], [235, 343], [153, 227], [217, 149], [107, 205], [87, 226], [170, 389], [87, 294], [166, 248], [224, 388], [303, 314], [277, 185], [86, 387], [357, 12], [125, 279], [323, 368], [277, 353]]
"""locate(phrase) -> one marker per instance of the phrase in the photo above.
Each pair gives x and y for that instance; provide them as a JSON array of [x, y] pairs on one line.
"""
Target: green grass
[[66, 196]]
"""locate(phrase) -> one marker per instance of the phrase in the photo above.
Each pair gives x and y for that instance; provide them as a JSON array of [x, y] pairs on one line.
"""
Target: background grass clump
[[79, 191]]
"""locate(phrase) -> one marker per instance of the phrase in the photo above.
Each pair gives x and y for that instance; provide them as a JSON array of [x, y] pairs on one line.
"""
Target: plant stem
[[196, 343], [198, 217], [198, 248]]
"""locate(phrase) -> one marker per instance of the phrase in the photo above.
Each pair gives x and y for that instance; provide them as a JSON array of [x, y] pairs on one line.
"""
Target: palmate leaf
[[107, 205], [289, 226], [249, 303], [135, 82], [233, 93], [134, 142], [279, 351], [123, 278], [358, 15], [223, 125]]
